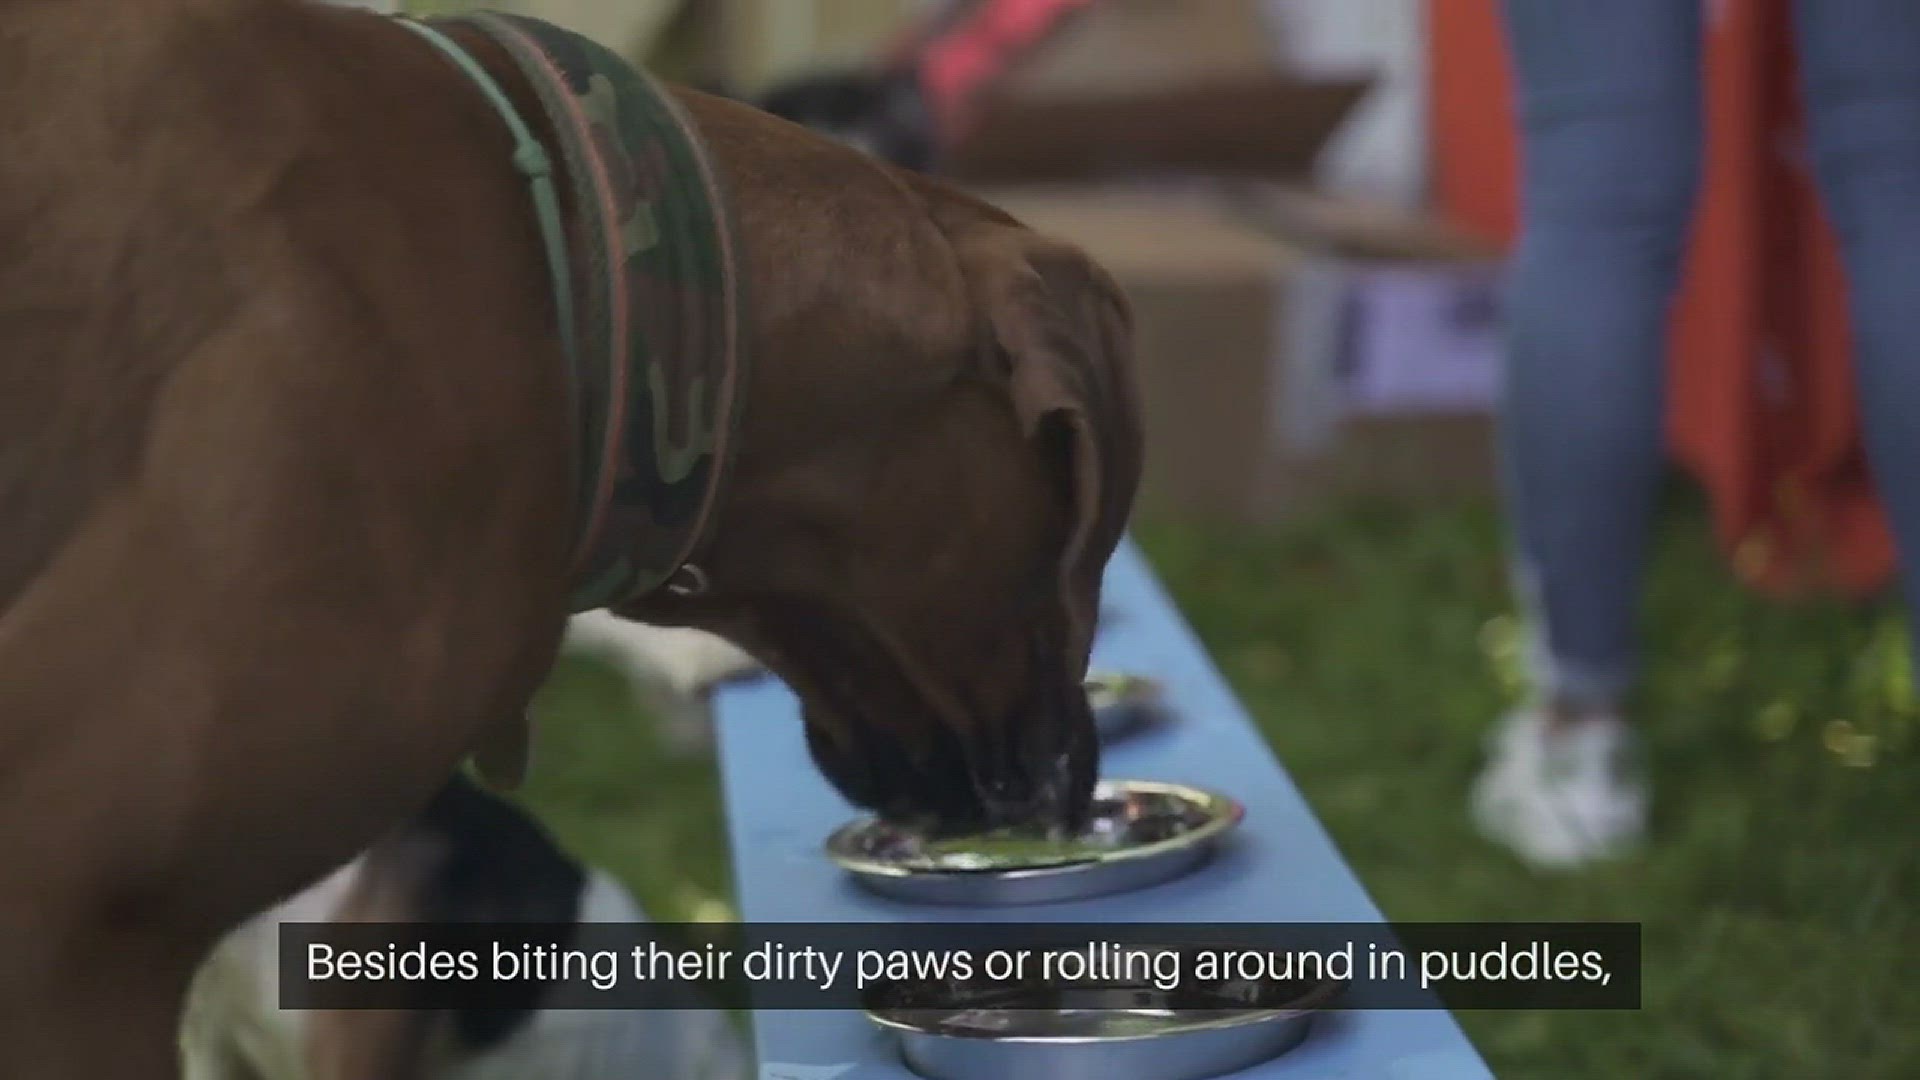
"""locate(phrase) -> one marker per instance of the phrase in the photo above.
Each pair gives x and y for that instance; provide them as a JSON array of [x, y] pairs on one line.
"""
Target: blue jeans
[[1610, 99]]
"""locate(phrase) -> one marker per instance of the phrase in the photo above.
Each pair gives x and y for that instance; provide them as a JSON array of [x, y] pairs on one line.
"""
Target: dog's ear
[[1061, 335]]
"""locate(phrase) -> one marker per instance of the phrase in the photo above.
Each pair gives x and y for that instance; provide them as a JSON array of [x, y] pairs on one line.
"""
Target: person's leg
[[1860, 61], [1609, 96]]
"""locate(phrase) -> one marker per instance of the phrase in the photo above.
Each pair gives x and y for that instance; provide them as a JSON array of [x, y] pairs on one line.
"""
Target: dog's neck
[[657, 407]]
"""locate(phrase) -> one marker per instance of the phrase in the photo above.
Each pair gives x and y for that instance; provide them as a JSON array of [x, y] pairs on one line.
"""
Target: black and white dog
[[469, 857], [671, 671]]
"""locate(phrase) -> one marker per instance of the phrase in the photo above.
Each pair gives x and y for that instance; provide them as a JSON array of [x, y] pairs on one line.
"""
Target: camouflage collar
[[649, 270]]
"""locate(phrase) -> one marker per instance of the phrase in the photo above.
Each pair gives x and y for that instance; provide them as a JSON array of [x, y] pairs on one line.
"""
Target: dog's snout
[[1033, 768], [1016, 799], [1049, 790]]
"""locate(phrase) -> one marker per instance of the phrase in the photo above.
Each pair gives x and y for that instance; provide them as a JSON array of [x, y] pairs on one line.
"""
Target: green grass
[[1373, 647], [615, 796]]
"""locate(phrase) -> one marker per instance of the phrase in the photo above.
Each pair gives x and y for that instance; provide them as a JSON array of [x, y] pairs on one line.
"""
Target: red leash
[[959, 62]]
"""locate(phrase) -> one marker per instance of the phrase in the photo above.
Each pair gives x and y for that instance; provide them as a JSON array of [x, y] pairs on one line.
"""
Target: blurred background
[[1310, 204]]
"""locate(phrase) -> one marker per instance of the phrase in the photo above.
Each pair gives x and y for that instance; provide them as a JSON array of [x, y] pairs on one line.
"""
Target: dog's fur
[[471, 857], [283, 443]]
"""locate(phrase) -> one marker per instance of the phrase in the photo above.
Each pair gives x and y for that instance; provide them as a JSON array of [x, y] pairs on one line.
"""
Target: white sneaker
[[1562, 794]]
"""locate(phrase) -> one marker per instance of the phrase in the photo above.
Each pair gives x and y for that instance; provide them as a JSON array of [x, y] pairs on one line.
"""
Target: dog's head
[[939, 455]]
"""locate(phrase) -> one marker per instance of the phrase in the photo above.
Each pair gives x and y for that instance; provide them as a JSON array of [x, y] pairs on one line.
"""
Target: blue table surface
[[1282, 866]]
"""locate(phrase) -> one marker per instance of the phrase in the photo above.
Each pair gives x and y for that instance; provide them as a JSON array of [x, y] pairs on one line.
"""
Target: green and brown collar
[[648, 288]]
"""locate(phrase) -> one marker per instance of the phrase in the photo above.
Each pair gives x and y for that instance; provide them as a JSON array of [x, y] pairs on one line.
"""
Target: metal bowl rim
[[1147, 688], [1311, 1003], [1224, 813]]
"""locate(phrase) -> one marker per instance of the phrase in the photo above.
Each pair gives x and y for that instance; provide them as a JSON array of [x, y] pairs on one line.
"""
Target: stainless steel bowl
[[1140, 833], [1124, 704], [1098, 1032]]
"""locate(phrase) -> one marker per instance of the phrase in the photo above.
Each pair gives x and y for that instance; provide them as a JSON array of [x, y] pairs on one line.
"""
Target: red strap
[[956, 65]]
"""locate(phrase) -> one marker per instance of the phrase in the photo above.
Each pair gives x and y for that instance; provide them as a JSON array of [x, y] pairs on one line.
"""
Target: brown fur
[[282, 454]]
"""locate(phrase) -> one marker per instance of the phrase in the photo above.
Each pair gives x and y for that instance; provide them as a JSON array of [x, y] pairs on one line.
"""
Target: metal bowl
[[1140, 833], [1096, 1031], [1124, 704]]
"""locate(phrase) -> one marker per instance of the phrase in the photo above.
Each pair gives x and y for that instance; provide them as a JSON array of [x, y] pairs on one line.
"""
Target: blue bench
[[1283, 867]]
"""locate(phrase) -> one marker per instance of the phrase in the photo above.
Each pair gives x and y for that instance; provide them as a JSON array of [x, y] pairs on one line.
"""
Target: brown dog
[[283, 477]]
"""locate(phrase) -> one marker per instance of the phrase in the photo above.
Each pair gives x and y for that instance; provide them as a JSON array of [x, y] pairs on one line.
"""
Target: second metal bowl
[[1097, 1031], [1124, 704]]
